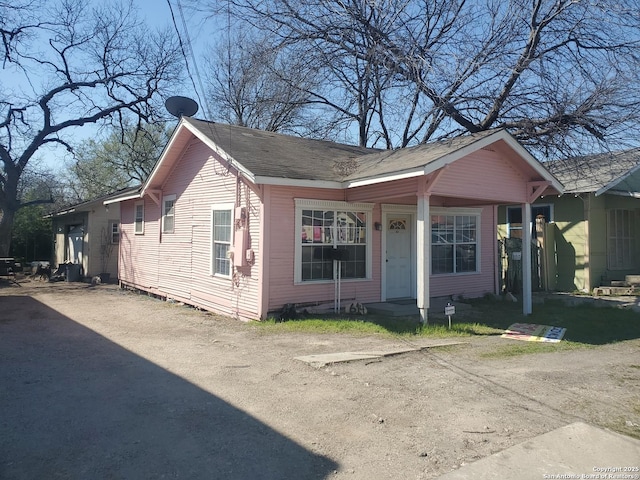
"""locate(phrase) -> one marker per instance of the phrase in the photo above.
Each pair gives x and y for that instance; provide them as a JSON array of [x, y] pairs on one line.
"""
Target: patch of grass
[[586, 325], [524, 348], [330, 325]]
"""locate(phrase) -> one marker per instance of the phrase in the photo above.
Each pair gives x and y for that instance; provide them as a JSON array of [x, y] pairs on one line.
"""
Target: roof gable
[[267, 157]]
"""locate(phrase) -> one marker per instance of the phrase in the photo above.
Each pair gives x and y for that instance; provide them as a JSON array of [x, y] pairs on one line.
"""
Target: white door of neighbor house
[[75, 239], [398, 256]]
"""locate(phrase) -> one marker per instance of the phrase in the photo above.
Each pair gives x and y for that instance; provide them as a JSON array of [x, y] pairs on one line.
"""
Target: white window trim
[[166, 198], [477, 212], [212, 263], [135, 218], [111, 232], [306, 204]]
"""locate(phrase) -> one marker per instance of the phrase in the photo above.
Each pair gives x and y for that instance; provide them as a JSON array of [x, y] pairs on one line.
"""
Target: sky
[[157, 14]]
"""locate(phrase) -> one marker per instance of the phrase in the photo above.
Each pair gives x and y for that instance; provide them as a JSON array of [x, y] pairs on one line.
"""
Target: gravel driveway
[[102, 383]]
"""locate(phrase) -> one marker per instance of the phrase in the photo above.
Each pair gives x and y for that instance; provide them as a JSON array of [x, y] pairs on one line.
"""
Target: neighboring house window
[[514, 218], [328, 231], [454, 243], [221, 221], [168, 213], [620, 245], [114, 232], [139, 218]]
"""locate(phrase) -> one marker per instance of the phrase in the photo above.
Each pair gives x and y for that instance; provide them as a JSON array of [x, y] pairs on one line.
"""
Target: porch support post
[[423, 254], [526, 259]]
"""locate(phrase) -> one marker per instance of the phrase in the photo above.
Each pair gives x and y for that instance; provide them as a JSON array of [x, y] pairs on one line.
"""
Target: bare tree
[[251, 84], [72, 64], [562, 75]]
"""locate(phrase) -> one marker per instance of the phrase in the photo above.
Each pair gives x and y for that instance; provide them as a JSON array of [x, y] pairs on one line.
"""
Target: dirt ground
[[96, 382]]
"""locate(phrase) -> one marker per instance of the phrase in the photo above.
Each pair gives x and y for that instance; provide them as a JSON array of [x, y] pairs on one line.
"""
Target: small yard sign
[[448, 311]]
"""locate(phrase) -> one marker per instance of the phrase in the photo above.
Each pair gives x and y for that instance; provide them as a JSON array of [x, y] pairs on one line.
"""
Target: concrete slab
[[323, 359], [577, 450]]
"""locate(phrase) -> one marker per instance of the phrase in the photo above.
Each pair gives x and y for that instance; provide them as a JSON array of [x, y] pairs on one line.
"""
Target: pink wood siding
[[281, 228], [473, 284], [482, 175], [138, 254], [178, 265]]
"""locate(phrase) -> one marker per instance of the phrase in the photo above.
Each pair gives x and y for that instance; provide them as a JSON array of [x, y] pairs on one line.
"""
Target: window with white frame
[[168, 213], [114, 231], [327, 231], [514, 218], [138, 228], [222, 229], [454, 243], [620, 244]]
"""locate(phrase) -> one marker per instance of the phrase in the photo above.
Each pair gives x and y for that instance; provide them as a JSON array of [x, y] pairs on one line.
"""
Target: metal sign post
[[448, 311]]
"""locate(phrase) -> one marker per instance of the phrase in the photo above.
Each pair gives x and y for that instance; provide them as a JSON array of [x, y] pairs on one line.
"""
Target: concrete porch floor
[[407, 307]]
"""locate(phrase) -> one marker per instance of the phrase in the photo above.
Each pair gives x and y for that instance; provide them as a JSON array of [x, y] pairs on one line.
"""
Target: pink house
[[243, 222]]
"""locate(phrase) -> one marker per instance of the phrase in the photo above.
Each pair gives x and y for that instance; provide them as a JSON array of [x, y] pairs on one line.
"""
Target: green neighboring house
[[592, 229]]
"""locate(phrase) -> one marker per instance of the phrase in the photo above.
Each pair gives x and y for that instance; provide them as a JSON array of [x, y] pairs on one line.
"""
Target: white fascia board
[[122, 199], [160, 161], [458, 154], [246, 173], [616, 181], [415, 172], [621, 193], [295, 182], [531, 160], [487, 141]]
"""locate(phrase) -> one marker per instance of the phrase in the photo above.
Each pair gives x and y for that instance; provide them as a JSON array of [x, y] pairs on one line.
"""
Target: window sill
[[328, 282], [461, 274]]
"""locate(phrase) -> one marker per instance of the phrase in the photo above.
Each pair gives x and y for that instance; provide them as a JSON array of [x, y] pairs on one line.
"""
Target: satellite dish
[[181, 106]]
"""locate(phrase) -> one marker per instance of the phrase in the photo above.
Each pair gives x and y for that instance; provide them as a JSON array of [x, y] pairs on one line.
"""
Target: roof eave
[[123, 198], [460, 153], [185, 126], [616, 181], [361, 182], [297, 182]]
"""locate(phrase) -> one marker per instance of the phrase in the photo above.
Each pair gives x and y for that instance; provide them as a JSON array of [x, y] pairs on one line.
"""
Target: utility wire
[[186, 47]]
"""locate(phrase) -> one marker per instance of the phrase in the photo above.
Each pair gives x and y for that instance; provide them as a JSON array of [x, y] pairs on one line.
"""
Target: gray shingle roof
[[271, 154], [595, 172]]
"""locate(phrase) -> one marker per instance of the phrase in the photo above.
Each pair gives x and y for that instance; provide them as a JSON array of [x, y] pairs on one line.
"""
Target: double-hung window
[[454, 242], [138, 228], [114, 234], [168, 213], [222, 223], [328, 231]]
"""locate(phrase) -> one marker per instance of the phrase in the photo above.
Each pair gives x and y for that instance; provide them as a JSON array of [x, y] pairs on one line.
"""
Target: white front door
[[398, 256]]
